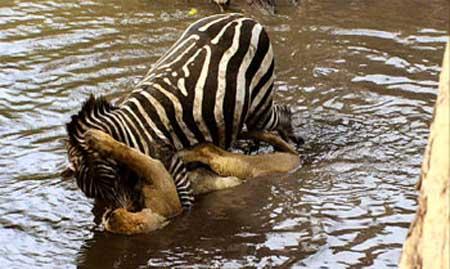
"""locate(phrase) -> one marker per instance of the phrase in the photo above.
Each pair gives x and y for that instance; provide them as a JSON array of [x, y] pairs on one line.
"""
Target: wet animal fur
[[160, 200]]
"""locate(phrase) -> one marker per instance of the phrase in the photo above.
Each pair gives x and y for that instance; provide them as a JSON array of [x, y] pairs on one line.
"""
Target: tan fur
[[160, 195], [205, 181], [242, 166], [122, 221], [161, 200], [159, 181]]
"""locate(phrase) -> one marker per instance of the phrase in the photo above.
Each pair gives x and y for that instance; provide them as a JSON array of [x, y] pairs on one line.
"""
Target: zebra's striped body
[[215, 79]]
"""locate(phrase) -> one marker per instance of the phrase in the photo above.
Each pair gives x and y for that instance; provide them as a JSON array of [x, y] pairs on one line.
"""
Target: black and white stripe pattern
[[216, 79]]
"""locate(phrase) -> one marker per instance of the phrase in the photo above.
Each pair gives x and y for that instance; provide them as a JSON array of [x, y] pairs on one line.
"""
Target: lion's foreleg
[[152, 170], [160, 195], [205, 181], [238, 165]]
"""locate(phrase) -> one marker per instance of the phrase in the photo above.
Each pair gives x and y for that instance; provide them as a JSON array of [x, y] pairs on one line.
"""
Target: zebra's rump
[[208, 82]]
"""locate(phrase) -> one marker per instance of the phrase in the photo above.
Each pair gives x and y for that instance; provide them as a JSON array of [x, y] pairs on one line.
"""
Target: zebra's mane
[[79, 124]]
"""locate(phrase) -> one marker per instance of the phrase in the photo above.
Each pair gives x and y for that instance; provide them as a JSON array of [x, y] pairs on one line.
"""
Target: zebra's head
[[96, 176]]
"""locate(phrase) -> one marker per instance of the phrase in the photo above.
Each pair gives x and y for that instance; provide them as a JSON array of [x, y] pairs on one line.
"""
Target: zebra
[[216, 80]]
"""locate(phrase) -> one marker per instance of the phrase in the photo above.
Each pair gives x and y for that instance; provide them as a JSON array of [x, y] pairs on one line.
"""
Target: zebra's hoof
[[292, 138], [297, 139]]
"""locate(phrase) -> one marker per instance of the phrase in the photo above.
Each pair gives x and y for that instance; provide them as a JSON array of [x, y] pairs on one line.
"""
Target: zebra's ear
[[70, 170], [65, 142], [67, 173]]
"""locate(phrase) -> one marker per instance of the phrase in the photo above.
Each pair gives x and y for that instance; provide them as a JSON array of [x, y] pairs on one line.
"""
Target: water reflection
[[361, 77], [220, 231]]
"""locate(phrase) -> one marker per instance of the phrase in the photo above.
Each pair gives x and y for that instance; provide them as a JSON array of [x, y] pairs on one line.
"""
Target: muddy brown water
[[361, 76]]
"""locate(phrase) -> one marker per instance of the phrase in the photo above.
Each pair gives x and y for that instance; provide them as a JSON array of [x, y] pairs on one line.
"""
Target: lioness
[[160, 199]]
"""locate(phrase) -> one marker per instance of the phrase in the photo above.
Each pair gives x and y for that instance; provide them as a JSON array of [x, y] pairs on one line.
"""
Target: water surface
[[361, 76]]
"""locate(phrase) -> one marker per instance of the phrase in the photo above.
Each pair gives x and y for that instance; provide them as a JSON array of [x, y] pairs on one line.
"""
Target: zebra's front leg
[[159, 188]]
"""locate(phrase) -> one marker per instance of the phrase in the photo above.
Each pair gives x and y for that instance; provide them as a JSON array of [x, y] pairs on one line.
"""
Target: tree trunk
[[427, 243]]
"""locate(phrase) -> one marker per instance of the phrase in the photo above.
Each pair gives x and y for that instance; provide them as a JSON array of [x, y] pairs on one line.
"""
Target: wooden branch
[[427, 244]]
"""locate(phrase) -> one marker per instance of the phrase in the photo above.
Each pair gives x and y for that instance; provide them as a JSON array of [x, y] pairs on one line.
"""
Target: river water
[[361, 76]]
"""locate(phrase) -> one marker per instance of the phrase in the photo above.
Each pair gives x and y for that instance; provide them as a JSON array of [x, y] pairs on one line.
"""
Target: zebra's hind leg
[[275, 141], [285, 125], [275, 118], [222, 4], [160, 194]]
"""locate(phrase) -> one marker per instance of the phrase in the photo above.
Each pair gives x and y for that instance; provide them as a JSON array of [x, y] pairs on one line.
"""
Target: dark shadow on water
[[227, 228]]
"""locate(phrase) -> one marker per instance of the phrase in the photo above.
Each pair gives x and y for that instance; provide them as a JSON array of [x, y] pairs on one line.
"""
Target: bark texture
[[427, 243]]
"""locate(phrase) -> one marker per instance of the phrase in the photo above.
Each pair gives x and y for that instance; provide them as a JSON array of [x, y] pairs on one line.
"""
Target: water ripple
[[360, 77]]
